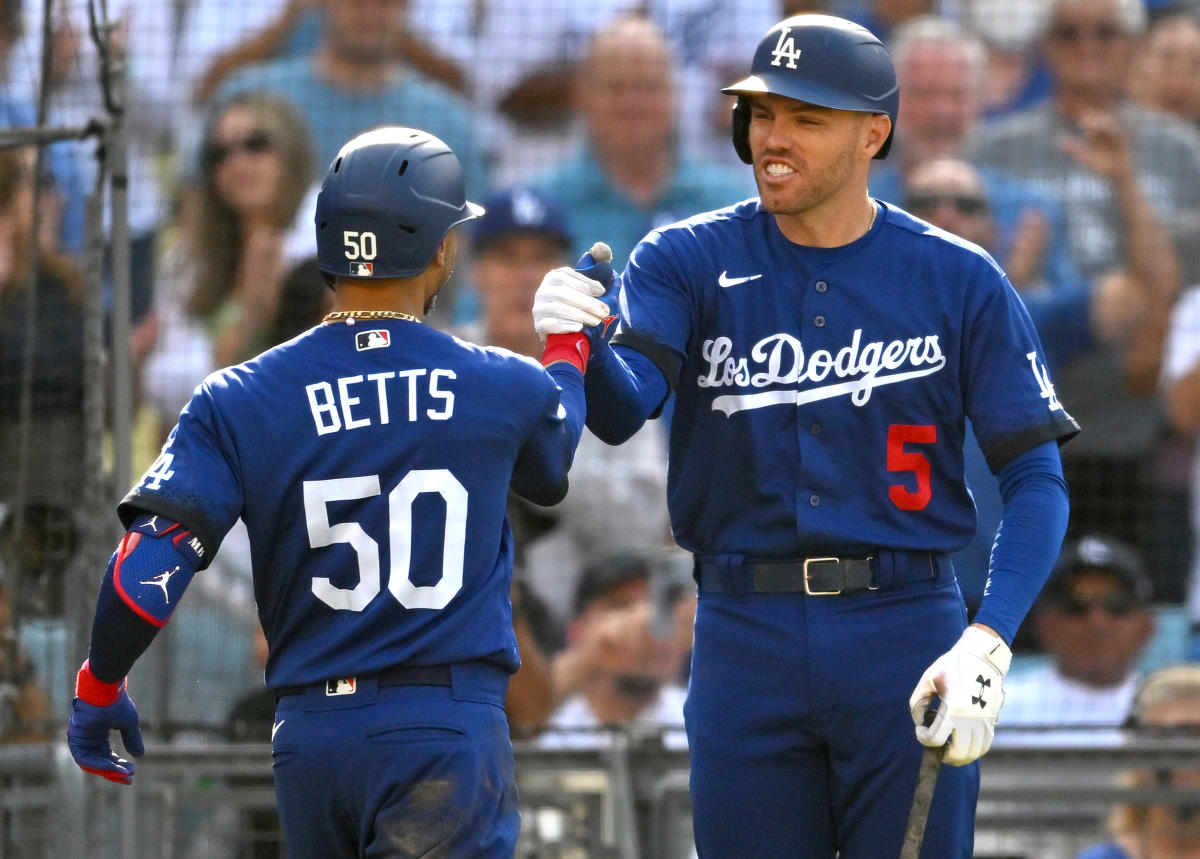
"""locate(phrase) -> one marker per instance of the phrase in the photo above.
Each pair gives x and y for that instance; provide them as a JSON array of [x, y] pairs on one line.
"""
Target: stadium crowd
[[1063, 136]]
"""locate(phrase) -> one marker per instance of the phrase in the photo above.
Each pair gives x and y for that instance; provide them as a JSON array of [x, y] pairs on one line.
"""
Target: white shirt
[[574, 724], [1043, 697]]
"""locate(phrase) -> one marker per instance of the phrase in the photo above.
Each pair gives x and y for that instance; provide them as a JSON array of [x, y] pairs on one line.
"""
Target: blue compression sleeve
[[540, 474], [624, 388], [145, 580], [1029, 538]]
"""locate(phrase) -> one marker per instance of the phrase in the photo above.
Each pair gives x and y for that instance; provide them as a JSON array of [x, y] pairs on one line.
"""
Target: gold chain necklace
[[350, 315]]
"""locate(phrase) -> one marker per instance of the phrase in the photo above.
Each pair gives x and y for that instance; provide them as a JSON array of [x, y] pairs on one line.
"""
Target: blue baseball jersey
[[826, 389], [371, 463]]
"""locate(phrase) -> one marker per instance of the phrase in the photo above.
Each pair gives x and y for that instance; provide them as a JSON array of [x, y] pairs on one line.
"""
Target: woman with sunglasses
[[224, 273]]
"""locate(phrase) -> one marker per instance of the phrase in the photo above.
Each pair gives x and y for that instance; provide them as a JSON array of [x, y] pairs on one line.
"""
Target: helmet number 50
[[438, 481], [359, 245]]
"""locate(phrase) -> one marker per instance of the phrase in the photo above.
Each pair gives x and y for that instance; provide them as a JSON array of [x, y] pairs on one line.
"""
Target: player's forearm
[[119, 636], [1028, 540], [540, 473], [624, 387]]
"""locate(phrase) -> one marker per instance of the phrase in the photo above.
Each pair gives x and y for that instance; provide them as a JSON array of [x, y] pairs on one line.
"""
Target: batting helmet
[[822, 60], [388, 199]]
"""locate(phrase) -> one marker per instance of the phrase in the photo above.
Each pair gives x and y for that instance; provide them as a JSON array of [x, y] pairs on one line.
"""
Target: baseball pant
[[799, 730], [398, 771]]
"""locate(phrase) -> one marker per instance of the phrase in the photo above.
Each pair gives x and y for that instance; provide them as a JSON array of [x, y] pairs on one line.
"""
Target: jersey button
[[814, 500], [815, 429], [821, 286], [819, 321]]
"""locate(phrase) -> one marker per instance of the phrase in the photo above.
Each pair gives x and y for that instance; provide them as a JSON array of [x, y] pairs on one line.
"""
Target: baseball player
[[370, 458], [825, 350]]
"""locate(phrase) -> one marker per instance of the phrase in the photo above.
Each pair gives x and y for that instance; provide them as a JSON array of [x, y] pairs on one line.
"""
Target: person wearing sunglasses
[[1128, 179], [1094, 622], [221, 279]]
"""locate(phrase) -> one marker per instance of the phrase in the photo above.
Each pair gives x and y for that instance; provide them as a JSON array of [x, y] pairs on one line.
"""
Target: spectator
[[1166, 71], [222, 36], [943, 73], [221, 280], [1093, 620], [17, 110], [630, 175], [140, 45], [44, 443], [621, 666], [534, 46], [1167, 704], [1181, 396], [1129, 179], [618, 497], [356, 79]]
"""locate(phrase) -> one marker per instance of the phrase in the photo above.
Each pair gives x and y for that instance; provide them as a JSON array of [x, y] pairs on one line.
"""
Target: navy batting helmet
[[822, 60], [388, 199]]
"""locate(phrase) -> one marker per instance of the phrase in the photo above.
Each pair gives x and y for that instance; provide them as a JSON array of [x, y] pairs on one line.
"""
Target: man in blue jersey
[[825, 350], [370, 458]]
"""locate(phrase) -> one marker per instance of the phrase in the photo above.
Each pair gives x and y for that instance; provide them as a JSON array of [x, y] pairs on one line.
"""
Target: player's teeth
[[779, 169]]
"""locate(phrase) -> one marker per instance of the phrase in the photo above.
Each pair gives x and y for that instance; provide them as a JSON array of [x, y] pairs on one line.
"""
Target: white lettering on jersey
[[785, 49], [780, 360], [351, 402], [161, 470], [1042, 375]]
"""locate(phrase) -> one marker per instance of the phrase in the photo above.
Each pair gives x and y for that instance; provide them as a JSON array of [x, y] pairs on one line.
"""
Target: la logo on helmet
[[785, 49]]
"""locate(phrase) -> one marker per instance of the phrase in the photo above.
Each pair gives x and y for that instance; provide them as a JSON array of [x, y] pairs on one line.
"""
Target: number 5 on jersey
[[899, 459]]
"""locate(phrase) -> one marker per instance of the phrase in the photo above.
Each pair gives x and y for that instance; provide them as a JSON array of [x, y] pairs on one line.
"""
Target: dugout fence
[[1043, 796]]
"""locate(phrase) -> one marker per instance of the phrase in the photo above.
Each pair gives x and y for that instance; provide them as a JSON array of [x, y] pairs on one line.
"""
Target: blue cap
[[521, 210]]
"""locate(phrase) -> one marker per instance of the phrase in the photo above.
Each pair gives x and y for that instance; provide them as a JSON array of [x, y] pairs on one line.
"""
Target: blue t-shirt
[[335, 115]]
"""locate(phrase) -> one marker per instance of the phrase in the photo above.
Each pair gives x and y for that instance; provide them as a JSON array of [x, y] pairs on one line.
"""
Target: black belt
[[820, 576], [397, 675]]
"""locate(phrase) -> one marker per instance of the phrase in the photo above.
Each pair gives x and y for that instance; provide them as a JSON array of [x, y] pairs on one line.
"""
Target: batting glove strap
[[572, 348], [92, 690], [969, 679], [567, 302]]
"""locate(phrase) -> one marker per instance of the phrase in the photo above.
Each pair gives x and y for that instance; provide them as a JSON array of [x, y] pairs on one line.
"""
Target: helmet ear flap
[[740, 129]]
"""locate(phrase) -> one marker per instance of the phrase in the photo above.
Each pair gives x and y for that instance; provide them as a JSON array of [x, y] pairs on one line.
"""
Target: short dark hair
[[605, 575]]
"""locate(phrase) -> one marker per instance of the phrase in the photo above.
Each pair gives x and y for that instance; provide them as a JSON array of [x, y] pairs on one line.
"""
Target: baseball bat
[[918, 814]]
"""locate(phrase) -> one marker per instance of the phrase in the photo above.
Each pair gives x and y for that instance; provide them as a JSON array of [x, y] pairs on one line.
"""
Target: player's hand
[[969, 679], [568, 300], [99, 708]]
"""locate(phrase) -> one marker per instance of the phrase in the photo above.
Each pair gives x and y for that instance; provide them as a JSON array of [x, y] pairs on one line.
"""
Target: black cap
[[1104, 553]]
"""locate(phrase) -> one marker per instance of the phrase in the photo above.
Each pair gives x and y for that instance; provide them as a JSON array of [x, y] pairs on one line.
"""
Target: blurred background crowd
[[1063, 136]]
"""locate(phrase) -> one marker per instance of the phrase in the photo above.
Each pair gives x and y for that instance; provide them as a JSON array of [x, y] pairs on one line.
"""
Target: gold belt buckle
[[807, 588]]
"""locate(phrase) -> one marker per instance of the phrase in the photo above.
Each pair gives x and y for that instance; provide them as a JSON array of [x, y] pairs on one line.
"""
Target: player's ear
[[874, 133]]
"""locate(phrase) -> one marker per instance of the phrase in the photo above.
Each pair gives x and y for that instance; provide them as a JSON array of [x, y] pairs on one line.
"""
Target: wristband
[[574, 348], [92, 690]]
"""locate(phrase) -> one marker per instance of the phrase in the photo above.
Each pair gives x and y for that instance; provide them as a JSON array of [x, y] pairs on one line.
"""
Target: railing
[[1043, 796]]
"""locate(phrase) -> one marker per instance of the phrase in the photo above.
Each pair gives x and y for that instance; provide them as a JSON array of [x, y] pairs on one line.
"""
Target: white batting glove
[[566, 302], [969, 679]]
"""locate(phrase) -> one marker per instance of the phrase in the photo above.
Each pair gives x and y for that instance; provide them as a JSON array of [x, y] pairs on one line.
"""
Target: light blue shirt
[[335, 115], [598, 211]]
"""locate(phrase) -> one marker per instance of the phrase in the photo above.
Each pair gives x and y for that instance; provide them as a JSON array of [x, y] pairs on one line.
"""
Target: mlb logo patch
[[341, 686], [361, 269], [376, 338]]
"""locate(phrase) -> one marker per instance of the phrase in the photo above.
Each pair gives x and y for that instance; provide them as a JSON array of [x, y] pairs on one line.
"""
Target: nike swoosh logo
[[276, 727], [726, 280]]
